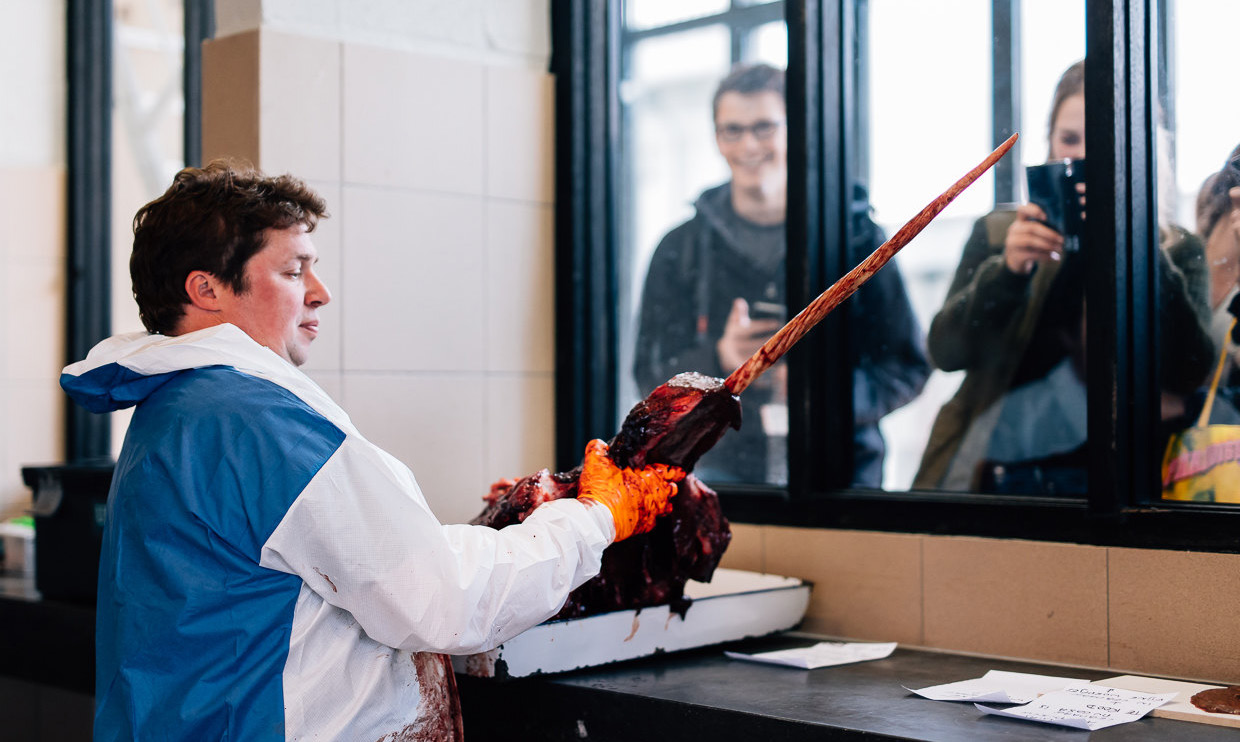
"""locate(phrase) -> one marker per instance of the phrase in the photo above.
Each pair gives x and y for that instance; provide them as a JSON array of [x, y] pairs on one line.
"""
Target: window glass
[[769, 43], [702, 188], [1198, 178], [993, 400], [644, 14], [148, 111]]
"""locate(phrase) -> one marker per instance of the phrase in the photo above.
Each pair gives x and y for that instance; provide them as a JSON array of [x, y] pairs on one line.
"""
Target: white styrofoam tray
[[734, 605]]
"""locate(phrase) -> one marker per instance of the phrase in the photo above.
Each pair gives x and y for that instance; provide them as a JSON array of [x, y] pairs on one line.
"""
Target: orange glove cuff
[[635, 497]]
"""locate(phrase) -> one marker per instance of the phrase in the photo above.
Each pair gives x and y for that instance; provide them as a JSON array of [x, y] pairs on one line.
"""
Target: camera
[[767, 310], [1053, 187]]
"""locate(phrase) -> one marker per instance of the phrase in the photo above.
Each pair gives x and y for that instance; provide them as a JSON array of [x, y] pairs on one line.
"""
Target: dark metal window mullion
[[583, 63], [88, 277], [820, 399], [199, 26], [1005, 105], [1146, 454], [1119, 354]]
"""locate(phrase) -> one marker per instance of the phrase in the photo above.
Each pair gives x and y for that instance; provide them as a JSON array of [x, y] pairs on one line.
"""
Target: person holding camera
[[716, 290], [1218, 225], [1014, 321]]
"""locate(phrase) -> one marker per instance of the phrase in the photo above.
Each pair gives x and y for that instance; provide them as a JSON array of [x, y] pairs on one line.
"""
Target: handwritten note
[[998, 686], [1086, 707], [822, 654]]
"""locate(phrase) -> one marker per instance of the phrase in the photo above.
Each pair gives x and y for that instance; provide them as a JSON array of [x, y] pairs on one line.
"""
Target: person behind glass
[[715, 291], [1218, 224], [1014, 320]]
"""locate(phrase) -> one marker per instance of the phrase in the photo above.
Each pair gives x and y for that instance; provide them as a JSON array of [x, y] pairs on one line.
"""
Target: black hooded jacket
[[697, 271]]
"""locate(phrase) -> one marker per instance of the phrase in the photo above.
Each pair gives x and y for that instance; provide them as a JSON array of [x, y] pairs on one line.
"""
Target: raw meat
[[676, 424]]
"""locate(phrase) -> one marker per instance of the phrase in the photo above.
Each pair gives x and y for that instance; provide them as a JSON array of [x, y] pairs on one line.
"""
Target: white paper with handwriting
[[1086, 707], [998, 686], [822, 654]]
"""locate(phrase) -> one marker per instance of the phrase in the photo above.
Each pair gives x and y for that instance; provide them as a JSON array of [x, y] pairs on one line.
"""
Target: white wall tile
[[412, 120], [414, 280], [10, 478], [32, 212], [33, 429], [331, 382], [520, 134], [326, 351], [519, 26], [34, 335], [520, 424], [458, 23], [520, 268], [299, 106], [434, 424]]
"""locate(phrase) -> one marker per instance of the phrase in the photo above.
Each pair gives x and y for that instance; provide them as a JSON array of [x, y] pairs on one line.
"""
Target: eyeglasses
[[761, 130]]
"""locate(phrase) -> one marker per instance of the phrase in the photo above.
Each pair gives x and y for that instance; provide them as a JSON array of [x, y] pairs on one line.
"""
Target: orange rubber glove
[[635, 497]]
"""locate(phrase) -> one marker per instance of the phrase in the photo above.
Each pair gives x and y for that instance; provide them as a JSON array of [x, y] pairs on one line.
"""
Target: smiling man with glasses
[[715, 291]]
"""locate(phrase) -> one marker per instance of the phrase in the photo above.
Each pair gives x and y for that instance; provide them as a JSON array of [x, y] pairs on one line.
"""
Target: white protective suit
[[268, 573]]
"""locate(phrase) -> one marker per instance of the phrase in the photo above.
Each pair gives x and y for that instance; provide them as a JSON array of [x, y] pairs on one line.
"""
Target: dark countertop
[[694, 695], [703, 695], [45, 641]]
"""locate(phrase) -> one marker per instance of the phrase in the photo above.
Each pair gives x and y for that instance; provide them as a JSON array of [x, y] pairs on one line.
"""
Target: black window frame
[[1122, 507], [88, 212]]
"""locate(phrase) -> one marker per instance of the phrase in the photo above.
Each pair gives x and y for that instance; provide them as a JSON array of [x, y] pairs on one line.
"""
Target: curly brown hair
[[1214, 199], [212, 219]]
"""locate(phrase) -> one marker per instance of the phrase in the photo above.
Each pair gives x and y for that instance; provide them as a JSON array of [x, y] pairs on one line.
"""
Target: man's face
[[752, 133], [279, 307]]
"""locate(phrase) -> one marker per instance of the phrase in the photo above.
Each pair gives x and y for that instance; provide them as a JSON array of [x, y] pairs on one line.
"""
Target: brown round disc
[[1219, 700]]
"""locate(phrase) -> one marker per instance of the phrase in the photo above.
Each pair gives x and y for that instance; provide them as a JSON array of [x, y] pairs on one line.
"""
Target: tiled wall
[[436, 161], [1133, 610], [32, 242], [32, 255]]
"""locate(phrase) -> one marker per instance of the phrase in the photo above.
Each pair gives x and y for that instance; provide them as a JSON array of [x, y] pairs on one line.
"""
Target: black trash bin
[[70, 506]]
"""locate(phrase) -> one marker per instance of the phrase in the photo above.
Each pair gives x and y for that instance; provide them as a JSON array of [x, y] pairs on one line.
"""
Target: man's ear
[[202, 290]]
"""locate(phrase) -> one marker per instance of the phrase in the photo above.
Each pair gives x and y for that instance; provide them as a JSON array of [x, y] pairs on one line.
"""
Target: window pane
[[1199, 218], [1003, 409], [147, 118], [702, 226], [644, 14], [769, 43]]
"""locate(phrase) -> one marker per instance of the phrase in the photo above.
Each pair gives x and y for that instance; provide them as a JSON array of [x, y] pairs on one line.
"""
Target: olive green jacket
[[989, 319]]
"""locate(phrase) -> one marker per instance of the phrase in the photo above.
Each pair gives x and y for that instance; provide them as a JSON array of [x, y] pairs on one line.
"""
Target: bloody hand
[[635, 497]]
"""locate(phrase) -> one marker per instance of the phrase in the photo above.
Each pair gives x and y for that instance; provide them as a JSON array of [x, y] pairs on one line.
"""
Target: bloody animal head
[[677, 423]]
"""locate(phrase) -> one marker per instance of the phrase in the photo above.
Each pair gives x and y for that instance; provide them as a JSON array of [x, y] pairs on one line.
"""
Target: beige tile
[[230, 97], [434, 424], [520, 268], [32, 212], [34, 329], [1041, 601], [299, 106], [866, 585], [412, 121], [746, 549], [1174, 613], [414, 280], [325, 355], [520, 134], [520, 424]]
